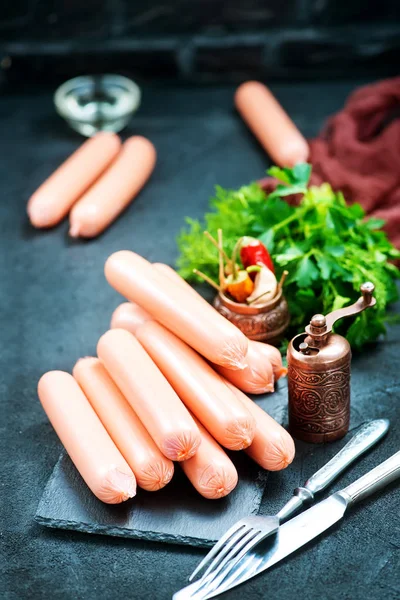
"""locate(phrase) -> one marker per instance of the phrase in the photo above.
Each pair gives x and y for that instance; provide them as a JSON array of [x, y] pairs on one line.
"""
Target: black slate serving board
[[177, 514]]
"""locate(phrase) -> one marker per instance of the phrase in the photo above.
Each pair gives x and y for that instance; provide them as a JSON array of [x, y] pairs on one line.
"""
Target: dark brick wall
[[199, 40]]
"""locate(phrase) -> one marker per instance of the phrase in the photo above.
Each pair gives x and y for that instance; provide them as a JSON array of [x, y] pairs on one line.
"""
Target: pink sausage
[[256, 377], [191, 319], [261, 351], [271, 125], [272, 447], [201, 389], [176, 278], [54, 198], [263, 366], [85, 439], [210, 470], [150, 395], [129, 316], [152, 470], [115, 190], [172, 274]]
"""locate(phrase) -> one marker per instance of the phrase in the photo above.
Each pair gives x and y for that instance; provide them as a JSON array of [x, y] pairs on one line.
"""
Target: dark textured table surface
[[56, 303]]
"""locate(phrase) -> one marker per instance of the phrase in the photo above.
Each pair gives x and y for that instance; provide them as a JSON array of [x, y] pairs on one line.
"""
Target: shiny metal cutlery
[[248, 532], [239, 541], [297, 532]]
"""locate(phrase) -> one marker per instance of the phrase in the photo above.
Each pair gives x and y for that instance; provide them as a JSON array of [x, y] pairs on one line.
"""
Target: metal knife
[[299, 531], [365, 437]]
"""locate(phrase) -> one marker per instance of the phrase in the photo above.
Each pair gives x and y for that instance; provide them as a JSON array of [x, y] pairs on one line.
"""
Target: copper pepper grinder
[[319, 376]]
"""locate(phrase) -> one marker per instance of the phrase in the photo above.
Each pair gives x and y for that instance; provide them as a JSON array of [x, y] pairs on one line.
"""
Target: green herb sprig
[[328, 247]]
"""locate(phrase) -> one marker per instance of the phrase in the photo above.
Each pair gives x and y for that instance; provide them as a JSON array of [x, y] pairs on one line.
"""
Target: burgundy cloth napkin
[[358, 153]]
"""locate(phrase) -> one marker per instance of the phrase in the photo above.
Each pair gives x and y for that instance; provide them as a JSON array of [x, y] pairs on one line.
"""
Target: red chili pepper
[[252, 252]]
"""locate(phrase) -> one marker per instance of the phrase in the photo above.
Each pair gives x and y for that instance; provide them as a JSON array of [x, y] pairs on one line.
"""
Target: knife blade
[[289, 537], [297, 532], [365, 437]]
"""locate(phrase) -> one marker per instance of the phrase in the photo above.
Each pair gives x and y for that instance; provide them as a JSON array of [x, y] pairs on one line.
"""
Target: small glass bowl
[[93, 103]]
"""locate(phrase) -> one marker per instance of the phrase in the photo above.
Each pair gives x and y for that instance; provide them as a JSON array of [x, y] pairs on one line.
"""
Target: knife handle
[[364, 439], [375, 480]]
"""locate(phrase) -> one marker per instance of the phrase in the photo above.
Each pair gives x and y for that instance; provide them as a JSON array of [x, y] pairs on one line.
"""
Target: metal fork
[[242, 537], [237, 541], [229, 577]]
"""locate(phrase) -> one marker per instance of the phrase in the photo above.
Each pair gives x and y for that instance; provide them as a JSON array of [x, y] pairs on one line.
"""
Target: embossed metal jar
[[266, 323], [319, 376], [319, 389]]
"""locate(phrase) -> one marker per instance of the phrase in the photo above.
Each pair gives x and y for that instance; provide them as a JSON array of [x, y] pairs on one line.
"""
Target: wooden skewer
[[235, 267], [221, 260], [282, 281], [258, 297], [207, 279], [220, 250]]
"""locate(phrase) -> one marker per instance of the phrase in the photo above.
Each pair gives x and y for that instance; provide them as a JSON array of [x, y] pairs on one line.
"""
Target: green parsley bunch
[[328, 247]]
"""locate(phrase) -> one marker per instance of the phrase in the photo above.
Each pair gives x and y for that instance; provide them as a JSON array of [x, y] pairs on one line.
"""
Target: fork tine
[[252, 563], [226, 550], [224, 571], [248, 566], [232, 577], [219, 560], [215, 549], [229, 555]]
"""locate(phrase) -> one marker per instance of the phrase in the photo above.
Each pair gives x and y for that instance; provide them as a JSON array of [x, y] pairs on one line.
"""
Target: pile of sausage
[[168, 385], [96, 183]]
